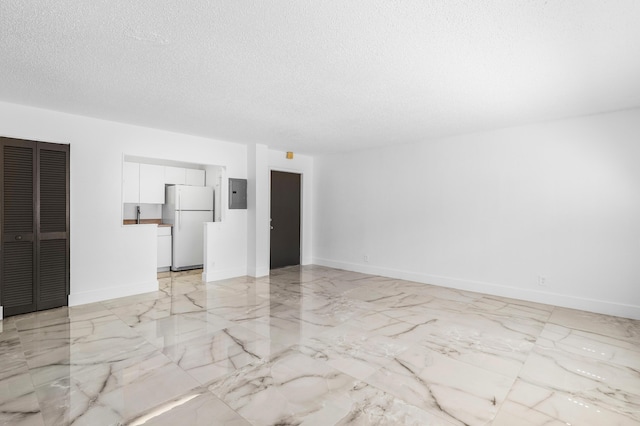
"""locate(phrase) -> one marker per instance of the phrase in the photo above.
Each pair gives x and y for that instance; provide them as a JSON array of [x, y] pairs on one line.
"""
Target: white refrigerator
[[187, 208]]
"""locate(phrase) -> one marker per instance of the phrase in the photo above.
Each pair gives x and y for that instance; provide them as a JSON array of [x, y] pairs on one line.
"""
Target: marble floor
[[317, 346]]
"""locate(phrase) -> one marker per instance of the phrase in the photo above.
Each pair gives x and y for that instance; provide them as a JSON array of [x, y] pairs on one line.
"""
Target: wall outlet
[[366, 258], [542, 281]]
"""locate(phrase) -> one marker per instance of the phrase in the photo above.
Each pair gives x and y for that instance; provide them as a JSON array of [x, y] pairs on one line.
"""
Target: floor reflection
[[317, 345]]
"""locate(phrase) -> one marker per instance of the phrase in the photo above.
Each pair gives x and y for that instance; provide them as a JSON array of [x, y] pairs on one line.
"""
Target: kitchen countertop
[[146, 222]]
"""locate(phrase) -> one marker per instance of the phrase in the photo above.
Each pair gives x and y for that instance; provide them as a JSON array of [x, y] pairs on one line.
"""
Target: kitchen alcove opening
[[145, 182]]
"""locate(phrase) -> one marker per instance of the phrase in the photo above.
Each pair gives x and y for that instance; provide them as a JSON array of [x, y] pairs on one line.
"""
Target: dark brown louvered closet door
[[52, 286], [34, 265], [18, 227]]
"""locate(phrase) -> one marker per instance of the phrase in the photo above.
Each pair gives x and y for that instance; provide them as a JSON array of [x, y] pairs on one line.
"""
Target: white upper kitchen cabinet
[[175, 175], [195, 177], [131, 183], [151, 184]]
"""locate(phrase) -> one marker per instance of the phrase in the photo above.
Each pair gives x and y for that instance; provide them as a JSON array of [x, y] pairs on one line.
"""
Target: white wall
[[216, 178], [302, 164], [107, 259], [225, 249], [486, 212], [491, 212], [257, 211]]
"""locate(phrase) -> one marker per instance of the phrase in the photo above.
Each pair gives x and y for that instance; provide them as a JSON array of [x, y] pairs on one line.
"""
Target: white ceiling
[[321, 76]]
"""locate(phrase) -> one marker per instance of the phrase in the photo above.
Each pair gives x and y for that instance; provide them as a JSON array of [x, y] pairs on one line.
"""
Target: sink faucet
[[138, 215]]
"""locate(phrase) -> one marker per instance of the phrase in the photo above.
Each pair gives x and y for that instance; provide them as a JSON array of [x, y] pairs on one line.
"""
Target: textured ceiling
[[321, 76]]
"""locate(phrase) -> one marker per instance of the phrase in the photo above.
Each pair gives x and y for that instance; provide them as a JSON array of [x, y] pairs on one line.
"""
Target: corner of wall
[[258, 207], [224, 274], [258, 272]]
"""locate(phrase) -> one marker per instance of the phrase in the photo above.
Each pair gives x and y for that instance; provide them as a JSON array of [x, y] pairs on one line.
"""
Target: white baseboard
[[258, 272], [549, 298], [223, 274], [76, 299]]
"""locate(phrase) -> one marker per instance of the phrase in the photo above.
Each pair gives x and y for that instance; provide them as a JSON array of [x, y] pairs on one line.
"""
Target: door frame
[[302, 210]]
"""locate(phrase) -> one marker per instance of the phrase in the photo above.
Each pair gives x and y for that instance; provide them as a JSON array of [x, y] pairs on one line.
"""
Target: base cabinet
[[164, 248]]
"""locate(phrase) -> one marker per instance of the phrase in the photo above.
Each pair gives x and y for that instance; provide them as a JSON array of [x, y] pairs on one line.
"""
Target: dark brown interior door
[[34, 225], [285, 219]]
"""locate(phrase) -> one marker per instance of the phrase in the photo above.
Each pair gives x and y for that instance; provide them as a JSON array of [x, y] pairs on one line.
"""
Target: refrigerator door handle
[[179, 209]]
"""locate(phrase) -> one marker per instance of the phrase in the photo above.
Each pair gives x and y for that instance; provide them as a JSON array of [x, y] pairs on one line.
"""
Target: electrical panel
[[237, 193]]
